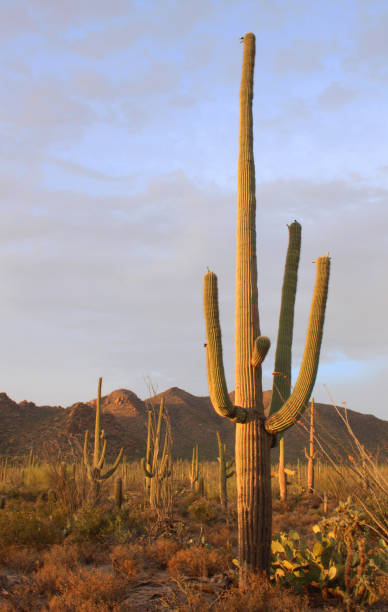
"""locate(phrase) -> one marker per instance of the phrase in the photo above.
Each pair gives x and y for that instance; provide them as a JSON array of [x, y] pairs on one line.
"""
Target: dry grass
[[92, 558]]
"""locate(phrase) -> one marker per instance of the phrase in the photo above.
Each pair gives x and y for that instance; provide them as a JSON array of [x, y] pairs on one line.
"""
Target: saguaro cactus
[[94, 468], [310, 456], [224, 470], [157, 468], [282, 472], [254, 432], [194, 473]]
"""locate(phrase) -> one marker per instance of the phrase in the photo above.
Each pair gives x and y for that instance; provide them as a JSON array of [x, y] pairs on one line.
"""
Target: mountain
[[54, 431]]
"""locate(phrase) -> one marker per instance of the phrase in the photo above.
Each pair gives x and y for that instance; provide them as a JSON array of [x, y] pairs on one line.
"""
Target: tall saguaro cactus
[[254, 432]]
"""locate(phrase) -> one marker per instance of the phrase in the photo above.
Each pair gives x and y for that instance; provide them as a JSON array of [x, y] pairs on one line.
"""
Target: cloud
[[336, 96], [300, 56]]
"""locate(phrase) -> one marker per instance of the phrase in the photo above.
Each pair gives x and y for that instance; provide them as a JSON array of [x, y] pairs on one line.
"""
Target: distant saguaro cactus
[[156, 466], [94, 468], [254, 432], [194, 473], [310, 456], [224, 471]]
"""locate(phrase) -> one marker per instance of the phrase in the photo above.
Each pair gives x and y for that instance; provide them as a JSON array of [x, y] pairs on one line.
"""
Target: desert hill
[[54, 430]]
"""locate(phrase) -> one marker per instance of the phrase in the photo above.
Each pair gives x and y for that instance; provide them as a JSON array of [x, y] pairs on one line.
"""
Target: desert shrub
[[344, 561], [67, 555], [258, 596], [161, 551], [202, 510], [89, 591], [19, 558], [198, 561], [91, 523], [222, 536], [126, 559], [25, 527]]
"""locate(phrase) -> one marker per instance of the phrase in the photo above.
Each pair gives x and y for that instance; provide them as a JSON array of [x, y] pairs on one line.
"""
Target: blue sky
[[119, 126]]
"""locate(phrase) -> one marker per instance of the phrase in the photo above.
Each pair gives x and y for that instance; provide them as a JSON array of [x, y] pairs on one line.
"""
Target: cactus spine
[[310, 456], [225, 471], [94, 468], [159, 467], [254, 432]]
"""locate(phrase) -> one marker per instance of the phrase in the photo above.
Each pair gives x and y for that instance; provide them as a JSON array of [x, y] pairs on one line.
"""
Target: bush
[[26, 527], [203, 511], [198, 562]]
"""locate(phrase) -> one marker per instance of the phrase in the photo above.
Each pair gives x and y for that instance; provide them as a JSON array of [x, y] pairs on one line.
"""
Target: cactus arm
[[97, 426], [100, 463], [146, 468], [282, 375], [114, 466], [260, 349], [149, 427], [158, 434], [85, 451], [296, 403], [215, 368]]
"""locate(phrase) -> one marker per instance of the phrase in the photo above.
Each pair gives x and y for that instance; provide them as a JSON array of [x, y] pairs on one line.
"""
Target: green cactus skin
[[224, 470], [94, 469], [157, 468], [254, 432], [118, 492]]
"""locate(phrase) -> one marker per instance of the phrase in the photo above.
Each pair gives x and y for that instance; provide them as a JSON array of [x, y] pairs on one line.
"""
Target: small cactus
[[224, 471], [118, 492], [200, 486]]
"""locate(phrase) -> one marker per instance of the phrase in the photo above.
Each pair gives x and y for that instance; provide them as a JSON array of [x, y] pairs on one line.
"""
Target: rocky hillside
[[53, 430]]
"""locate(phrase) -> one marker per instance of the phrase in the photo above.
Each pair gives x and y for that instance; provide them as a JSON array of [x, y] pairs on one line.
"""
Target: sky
[[118, 175]]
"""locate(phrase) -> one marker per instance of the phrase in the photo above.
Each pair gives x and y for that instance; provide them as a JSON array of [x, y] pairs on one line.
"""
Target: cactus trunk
[[252, 441]]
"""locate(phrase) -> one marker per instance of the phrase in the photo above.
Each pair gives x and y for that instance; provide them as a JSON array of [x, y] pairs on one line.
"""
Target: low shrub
[[26, 527], [197, 561], [202, 510]]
